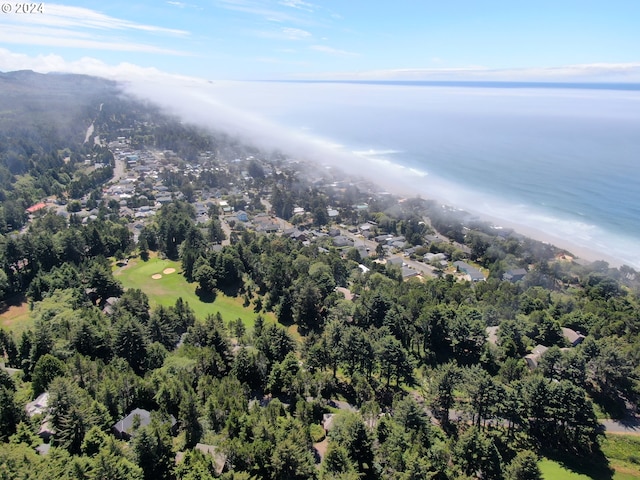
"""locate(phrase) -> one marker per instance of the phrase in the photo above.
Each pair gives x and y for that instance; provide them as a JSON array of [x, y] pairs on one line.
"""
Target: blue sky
[[275, 39]]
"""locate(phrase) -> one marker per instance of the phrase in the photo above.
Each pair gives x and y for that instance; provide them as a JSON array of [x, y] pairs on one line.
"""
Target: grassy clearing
[[623, 452], [552, 470], [622, 462], [166, 290], [16, 317]]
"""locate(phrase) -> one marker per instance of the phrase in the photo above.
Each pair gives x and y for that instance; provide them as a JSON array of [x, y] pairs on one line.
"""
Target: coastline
[[385, 166], [578, 252], [402, 181]]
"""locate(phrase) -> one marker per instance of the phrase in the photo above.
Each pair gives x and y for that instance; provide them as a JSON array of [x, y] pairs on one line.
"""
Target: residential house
[[574, 338], [434, 257], [533, 359], [109, 305], [348, 295], [36, 207], [364, 268], [219, 458], [432, 239], [43, 449], [514, 275], [242, 216], [342, 241], [362, 251], [408, 272], [125, 427], [474, 274], [38, 406], [264, 223], [395, 261], [382, 238], [296, 234]]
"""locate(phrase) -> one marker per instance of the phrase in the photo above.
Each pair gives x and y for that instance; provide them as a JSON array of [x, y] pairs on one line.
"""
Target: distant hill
[[65, 102]]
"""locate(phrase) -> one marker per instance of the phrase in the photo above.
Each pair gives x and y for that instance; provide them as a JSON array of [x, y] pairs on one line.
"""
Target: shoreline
[[578, 252], [401, 183]]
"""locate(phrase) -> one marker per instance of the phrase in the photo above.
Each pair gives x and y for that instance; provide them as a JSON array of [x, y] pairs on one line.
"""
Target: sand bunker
[[156, 276], [167, 271]]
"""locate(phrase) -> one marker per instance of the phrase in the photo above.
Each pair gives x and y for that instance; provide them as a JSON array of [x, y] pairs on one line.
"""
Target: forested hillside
[[378, 337]]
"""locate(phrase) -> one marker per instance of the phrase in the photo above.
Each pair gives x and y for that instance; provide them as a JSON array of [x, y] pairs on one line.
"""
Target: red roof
[[36, 207]]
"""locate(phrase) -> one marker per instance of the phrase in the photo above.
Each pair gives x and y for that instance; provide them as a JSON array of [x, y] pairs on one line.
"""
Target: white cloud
[[77, 27], [309, 7], [258, 8], [50, 37], [332, 51], [285, 33], [295, 33], [184, 5], [63, 16], [10, 61]]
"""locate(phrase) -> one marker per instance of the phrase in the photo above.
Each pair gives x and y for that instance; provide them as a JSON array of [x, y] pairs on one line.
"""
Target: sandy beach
[[579, 252]]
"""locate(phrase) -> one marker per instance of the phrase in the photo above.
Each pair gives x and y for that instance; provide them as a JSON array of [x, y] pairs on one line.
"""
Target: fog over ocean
[[563, 161]]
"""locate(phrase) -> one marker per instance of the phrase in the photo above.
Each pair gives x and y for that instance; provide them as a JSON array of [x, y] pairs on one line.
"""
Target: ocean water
[[565, 161], [561, 159]]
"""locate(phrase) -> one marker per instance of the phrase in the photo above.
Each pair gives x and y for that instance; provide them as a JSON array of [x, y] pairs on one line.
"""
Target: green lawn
[[622, 462], [552, 470], [166, 290], [15, 316]]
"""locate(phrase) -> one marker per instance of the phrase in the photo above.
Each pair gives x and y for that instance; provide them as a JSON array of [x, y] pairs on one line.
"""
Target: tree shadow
[[230, 290], [206, 297], [12, 301], [613, 406], [595, 465]]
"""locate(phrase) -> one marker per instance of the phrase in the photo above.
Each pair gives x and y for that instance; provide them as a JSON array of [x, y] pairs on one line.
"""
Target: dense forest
[[347, 370]]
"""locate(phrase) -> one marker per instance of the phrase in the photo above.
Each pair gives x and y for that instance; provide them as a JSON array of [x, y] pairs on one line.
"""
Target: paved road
[[226, 229], [119, 170], [630, 426], [282, 223]]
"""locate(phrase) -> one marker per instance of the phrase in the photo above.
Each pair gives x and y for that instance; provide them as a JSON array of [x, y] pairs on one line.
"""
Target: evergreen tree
[[523, 467], [129, 343], [153, 451]]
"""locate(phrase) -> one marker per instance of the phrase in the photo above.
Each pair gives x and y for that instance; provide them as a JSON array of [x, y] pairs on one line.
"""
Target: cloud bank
[[593, 72]]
